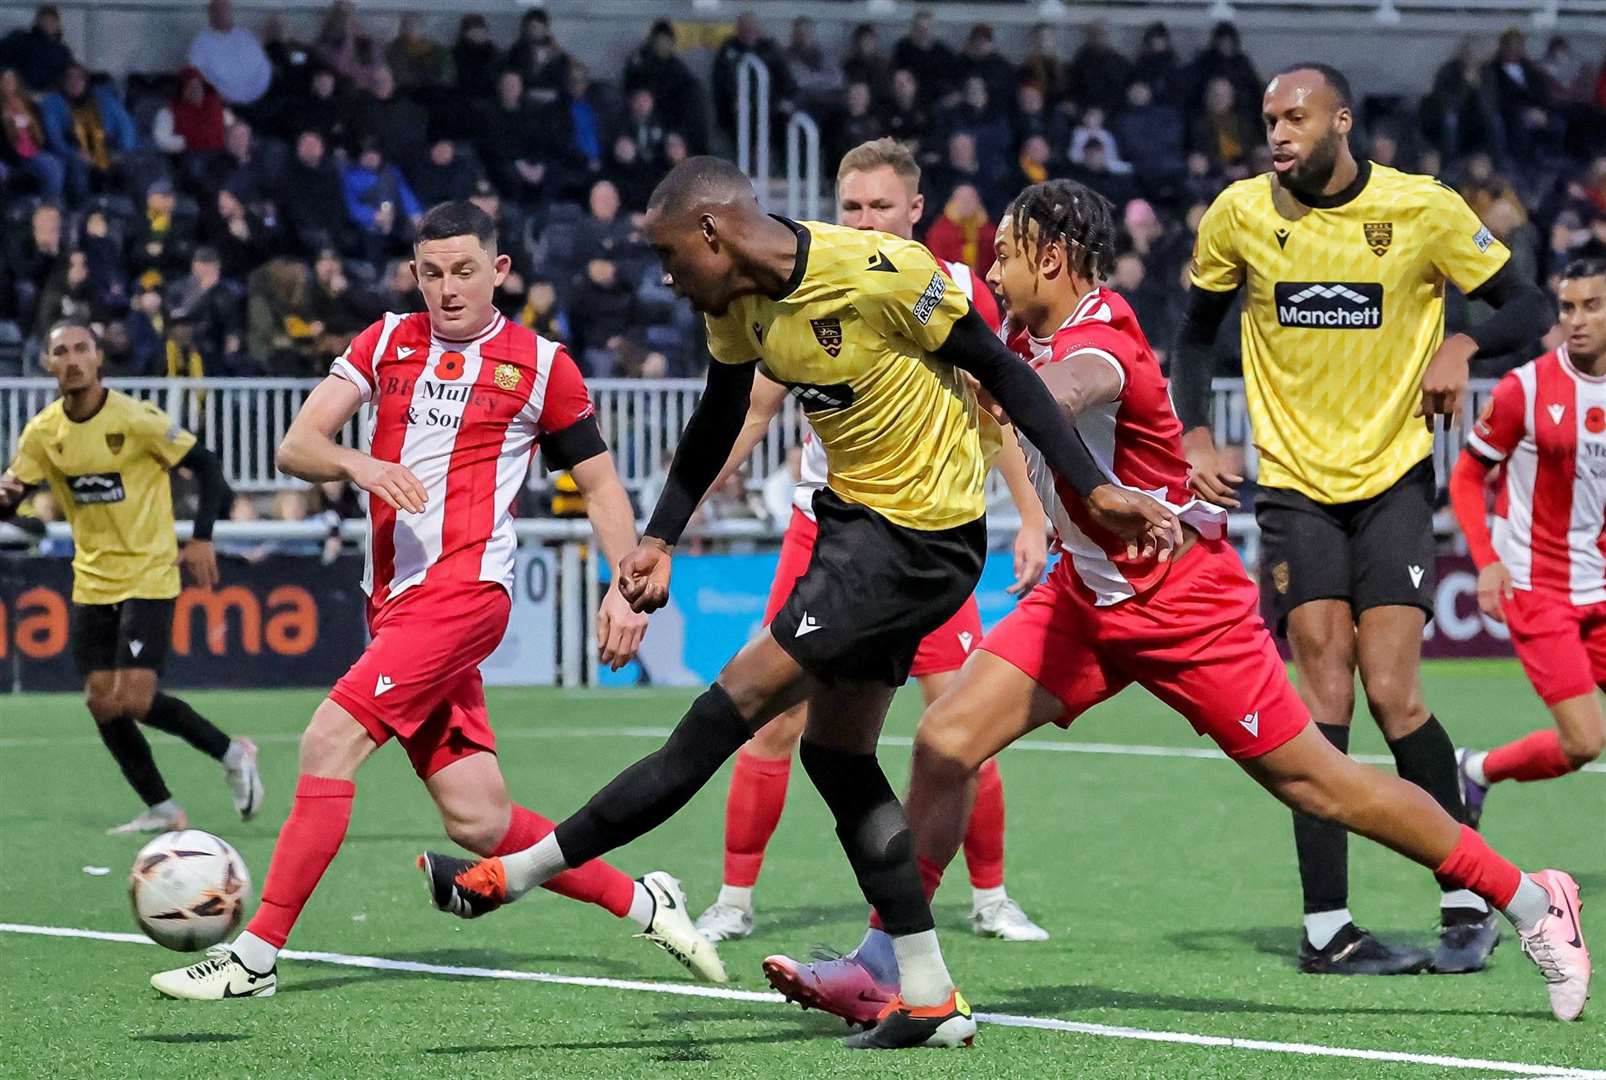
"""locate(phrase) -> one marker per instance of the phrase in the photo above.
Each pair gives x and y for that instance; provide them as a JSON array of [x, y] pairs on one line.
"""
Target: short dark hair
[[73, 322], [1584, 268], [1334, 78], [457, 218], [204, 254], [700, 177]]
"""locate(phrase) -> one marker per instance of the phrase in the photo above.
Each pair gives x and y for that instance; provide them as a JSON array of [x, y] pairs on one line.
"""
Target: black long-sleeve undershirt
[[704, 447], [214, 496], [1193, 361], [1522, 312]]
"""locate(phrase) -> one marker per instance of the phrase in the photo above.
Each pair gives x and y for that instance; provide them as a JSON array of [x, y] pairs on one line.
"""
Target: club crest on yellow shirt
[[507, 377], [828, 332], [1379, 235], [114, 441]]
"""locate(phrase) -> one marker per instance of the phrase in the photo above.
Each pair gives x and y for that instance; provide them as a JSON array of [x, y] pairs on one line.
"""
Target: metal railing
[[753, 123], [243, 420], [802, 168]]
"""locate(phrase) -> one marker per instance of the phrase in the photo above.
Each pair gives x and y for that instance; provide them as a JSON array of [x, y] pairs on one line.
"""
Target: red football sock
[[1536, 756], [984, 838], [930, 878], [752, 811], [593, 883], [306, 846], [1477, 866]]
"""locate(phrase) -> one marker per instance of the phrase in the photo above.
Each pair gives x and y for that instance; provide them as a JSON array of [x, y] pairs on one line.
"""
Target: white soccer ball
[[188, 889]]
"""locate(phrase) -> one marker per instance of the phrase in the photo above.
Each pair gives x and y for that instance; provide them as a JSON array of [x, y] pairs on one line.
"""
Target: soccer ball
[[188, 889]]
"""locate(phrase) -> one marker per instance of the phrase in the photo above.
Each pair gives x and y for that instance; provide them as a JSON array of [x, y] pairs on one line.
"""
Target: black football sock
[[652, 790], [1323, 848], [133, 755], [1426, 758], [174, 716], [874, 834]]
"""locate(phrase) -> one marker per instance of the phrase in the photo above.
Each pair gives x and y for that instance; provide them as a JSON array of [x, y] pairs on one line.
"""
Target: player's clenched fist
[[392, 482], [644, 576], [1494, 589], [1149, 528], [1444, 383]]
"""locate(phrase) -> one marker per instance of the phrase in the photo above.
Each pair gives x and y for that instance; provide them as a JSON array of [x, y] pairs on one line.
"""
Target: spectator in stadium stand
[[242, 167], [1090, 132], [960, 166], [859, 122], [379, 202], [867, 62], [818, 78], [1457, 114], [933, 64], [398, 123], [23, 147], [343, 47], [511, 143], [476, 60], [398, 289], [230, 57], [1098, 73], [243, 236], [1034, 117], [193, 120], [602, 313], [160, 241], [578, 124], [1151, 301], [38, 53], [1043, 67], [633, 177], [987, 126], [644, 124], [1221, 132], [1150, 135], [314, 202], [908, 118], [980, 59], [749, 40], [1094, 170], [538, 58], [1158, 67], [418, 61], [70, 293], [1521, 96], [88, 128], [541, 311], [336, 304], [964, 231], [680, 98], [1224, 58], [211, 307], [510, 225], [1034, 164], [443, 174], [132, 345], [31, 258], [281, 333]]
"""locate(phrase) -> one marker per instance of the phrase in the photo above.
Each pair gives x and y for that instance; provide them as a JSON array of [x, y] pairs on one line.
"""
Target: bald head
[[698, 184]]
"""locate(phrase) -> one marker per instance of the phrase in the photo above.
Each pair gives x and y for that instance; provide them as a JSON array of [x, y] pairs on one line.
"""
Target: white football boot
[[1005, 919], [219, 976], [725, 922], [245, 780], [671, 929]]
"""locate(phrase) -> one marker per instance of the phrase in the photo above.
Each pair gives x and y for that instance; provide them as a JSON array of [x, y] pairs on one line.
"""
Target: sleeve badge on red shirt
[[507, 377]]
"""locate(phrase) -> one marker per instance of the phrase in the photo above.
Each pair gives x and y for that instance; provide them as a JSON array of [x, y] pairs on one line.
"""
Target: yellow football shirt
[[109, 473], [852, 339], [1343, 309]]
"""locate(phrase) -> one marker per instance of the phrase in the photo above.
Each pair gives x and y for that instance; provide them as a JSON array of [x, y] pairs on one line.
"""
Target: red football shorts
[[944, 649], [1195, 641], [419, 678], [1562, 645]]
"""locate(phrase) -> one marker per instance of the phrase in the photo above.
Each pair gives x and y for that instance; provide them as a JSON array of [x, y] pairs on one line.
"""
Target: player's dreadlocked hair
[[1075, 215]]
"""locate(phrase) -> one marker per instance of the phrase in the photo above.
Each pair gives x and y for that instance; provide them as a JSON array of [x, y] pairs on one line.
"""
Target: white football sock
[[531, 868], [1463, 900], [166, 808], [234, 756], [1529, 907], [642, 907], [737, 896], [257, 955], [1322, 926], [981, 899], [923, 977], [1475, 762]]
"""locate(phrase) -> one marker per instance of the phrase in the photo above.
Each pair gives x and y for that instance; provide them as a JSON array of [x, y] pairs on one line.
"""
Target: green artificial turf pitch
[[1167, 882]]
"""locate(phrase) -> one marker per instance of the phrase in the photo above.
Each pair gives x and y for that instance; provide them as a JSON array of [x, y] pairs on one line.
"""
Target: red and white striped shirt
[[465, 418], [813, 469], [1546, 423], [1136, 439]]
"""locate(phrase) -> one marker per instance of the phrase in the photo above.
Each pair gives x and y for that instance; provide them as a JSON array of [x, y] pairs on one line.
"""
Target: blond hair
[[885, 152]]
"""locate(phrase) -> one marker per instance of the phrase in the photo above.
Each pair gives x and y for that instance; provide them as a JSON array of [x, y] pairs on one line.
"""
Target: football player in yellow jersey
[[1342, 265], [106, 457], [873, 339]]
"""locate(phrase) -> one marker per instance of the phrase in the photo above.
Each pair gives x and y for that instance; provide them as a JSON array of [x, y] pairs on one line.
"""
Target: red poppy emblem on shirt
[[449, 366], [1595, 420]]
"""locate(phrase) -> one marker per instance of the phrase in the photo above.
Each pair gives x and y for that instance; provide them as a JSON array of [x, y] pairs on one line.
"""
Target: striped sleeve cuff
[[348, 371], [1483, 449]]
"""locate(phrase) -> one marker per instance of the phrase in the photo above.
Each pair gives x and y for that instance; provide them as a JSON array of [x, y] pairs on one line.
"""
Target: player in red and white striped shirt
[[1543, 572], [459, 399]]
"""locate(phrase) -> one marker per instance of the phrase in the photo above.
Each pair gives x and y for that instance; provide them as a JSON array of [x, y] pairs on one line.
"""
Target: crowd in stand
[[250, 213]]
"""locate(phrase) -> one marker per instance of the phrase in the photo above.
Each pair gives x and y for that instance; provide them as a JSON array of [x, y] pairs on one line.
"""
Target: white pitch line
[[1106, 1031], [1195, 753]]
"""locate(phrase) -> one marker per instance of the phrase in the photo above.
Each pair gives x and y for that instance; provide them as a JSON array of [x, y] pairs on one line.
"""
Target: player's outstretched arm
[[704, 448], [1031, 542], [1146, 525], [1193, 370], [619, 629], [309, 451]]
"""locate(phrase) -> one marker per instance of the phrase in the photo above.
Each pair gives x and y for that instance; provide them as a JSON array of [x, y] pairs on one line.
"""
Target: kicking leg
[[164, 712], [128, 748]]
